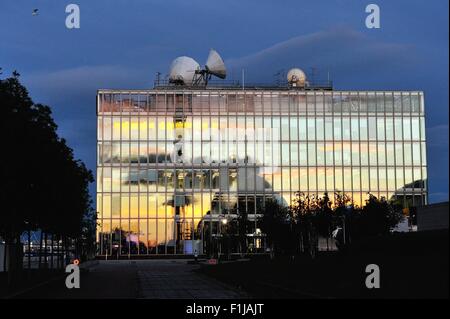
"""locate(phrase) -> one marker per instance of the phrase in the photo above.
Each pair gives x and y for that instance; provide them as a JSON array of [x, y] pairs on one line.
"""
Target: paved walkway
[[175, 279], [158, 279]]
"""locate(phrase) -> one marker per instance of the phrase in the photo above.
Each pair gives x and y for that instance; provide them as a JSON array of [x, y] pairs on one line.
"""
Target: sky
[[123, 43]]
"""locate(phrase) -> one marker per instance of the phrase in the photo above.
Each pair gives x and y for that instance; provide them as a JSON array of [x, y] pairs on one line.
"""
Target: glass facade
[[172, 162]]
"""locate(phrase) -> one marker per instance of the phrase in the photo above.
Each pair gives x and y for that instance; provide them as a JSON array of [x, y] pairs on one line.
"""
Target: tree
[[380, 216], [274, 224], [43, 186]]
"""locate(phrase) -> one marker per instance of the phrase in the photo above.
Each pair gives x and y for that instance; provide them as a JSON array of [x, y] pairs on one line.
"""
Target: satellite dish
[[214, 65], [186, 71], [183, 70], [296, 77]]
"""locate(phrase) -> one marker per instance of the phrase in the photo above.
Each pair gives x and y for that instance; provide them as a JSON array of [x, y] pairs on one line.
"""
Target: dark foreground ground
[[411, 266], [130, 279]]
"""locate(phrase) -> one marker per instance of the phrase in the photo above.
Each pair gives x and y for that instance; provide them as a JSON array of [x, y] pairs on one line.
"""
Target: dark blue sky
[[122, 44]]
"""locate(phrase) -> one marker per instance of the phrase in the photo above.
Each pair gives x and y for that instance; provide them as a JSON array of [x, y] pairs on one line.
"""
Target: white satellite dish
[[186, 71], [296, 77], [215, 66], [183, 70]]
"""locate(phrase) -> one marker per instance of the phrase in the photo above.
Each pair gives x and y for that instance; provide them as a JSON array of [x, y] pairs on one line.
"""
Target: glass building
[[173, 161]]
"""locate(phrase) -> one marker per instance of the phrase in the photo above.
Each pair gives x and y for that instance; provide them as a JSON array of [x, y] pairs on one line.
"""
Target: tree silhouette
[[43, 186]]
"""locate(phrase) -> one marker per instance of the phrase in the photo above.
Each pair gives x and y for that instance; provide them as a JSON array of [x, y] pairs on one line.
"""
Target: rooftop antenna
[[243, 79], [158, 78], [313, 75], [279, 76]]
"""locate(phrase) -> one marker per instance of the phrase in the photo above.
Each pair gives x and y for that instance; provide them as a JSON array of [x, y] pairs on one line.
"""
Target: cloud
[[346, 52], [75, 85]]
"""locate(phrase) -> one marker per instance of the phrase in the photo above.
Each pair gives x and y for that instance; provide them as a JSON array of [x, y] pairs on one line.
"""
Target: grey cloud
[[345, 51]]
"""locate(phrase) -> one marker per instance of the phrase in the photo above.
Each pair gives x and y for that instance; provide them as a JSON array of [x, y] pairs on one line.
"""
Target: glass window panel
[[143, 128], [422, 128], [338, 153], [399, 178], [380, 128], [294, 154], [312, 154], [388, 102], [311, 128], [286, 178], [302, 128], [277, 181], [364, 179], [107, 124], [312, 178], [303, 180], [415, 103], [416, 153], [116, 128], [161, 207], [303, 154], [407, 129], [338, 182], [126, 126], [152, 207], [134, 152], [382, 179], [398, 153], [320, 129], [381, 154], [295, 182], [285, 129], [415, 128], [397, 103], [373, 154], [372, 128], [398, 129], [363, 128], [106, 179], [151, 129], [143, 205], [389, 129], [321, 180], [161, 233], [330, 179], [346, 153], [276, 154], [106, 206], [373, 179], [355, 153], [337, 128], [356, 176], [408, 177], [347, 179], [424, 154], [346, 129], [320, 154], [407, 153], [364, 153], [355, 128], [134, 206], [391, 179], [329, 154], [390, 154], [328, 128]]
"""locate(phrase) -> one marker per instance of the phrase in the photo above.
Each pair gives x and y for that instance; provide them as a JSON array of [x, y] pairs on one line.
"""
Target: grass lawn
[[412, 265]]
